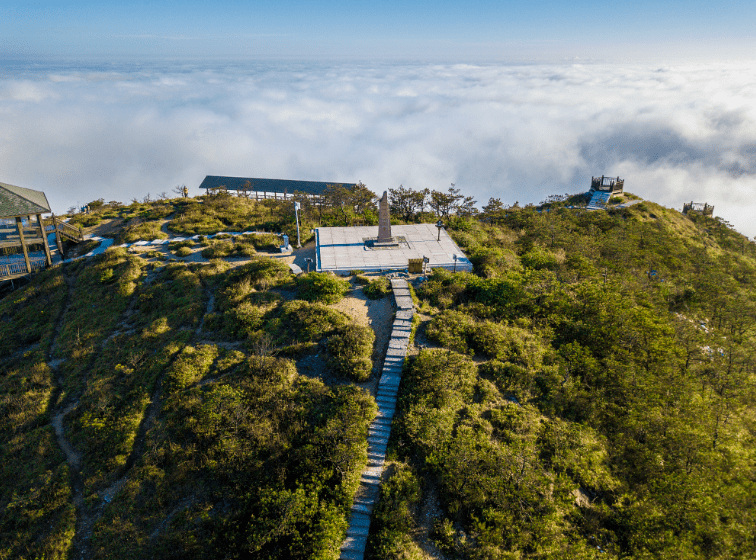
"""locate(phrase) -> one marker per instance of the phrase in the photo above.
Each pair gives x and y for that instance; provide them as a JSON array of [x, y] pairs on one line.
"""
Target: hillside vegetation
[[188, 430], [586, 392]]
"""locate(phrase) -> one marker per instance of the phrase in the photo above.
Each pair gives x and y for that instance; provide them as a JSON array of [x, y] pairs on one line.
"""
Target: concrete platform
[[341, 249]]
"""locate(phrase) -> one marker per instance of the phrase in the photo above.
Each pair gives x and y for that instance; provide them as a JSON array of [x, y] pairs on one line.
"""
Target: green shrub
[[144, 231], [263, 241], [492, 261], [539, 258], [174, 245], [183, 251], [86, 220], [261, 273], [350, 351], [322, 287], [452, 329], [378, 288], [306, 322], [393, 519]]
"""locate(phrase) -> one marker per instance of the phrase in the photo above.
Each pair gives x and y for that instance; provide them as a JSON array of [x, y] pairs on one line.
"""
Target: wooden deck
[[27, 234]]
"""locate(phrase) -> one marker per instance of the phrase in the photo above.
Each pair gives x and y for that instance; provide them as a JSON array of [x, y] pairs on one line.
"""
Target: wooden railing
[[65, 229], [16, 269]]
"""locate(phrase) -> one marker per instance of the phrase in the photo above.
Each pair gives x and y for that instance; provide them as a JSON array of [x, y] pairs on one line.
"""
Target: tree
[[406, 203], [493, 212], [467, 208], [444, 204], [353, 200]]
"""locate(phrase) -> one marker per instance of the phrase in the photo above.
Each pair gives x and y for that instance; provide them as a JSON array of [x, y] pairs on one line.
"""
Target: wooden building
[[22, 226], [261, 189]]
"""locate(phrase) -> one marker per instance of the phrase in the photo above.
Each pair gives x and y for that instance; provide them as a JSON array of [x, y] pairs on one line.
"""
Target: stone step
[[360, 520], [356, 544], [404, 314], [363, 507], [391, 388], [404, 302], [351, 555], [389, 402], [388, 414], [386, 434], [354, 531], [393, 362], [377, 440], [377, 449], [369, 481]]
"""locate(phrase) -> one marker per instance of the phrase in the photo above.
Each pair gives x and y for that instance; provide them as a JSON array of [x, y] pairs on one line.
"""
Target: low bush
[[362, 280], [263, 241], [539, 258], [141, 231], [174, 245], [224, 249], [322, 287], [461, 332], [378, 288], [308, 322], [183, 251], [350, 351], [86, 220], [393, 519]]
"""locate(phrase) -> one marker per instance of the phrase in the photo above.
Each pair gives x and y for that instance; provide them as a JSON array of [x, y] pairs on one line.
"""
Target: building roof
[[18, 201], [268, 185]]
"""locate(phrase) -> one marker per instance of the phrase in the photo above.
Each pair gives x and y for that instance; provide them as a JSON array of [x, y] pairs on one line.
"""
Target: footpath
[[380, 428]]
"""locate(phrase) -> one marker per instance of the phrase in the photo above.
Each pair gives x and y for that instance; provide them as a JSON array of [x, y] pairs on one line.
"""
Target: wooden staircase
[[59, 227]]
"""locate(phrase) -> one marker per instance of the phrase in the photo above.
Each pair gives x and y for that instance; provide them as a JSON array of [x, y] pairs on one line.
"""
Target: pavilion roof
[[18, 201], [268, 185]]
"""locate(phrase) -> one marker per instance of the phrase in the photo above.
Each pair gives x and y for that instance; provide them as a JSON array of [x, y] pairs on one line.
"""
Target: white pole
[[296, 215]]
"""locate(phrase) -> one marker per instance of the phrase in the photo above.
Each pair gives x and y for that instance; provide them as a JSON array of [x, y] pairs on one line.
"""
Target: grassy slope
[[579, 405], [194, 438], [570, 405]]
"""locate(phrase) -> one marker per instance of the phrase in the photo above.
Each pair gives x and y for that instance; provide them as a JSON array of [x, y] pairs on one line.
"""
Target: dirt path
[[72, 456]]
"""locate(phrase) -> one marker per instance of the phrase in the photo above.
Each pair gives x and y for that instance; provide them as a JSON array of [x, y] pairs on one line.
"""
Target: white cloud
[[515, 132]]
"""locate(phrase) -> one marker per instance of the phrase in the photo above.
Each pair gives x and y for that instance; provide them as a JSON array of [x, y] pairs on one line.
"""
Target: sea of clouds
[[517, 132]]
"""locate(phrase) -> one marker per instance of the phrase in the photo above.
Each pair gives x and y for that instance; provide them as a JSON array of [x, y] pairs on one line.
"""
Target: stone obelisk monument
[[384, 220]]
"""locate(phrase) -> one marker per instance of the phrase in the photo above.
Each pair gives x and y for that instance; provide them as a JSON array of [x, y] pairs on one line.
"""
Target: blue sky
[[475, 29]]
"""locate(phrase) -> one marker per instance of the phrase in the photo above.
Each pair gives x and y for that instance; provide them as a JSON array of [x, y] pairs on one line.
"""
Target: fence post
[[20, 228], [43, 233]]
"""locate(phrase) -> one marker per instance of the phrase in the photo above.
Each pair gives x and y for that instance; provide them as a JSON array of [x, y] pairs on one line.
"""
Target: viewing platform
[[611, 185]]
